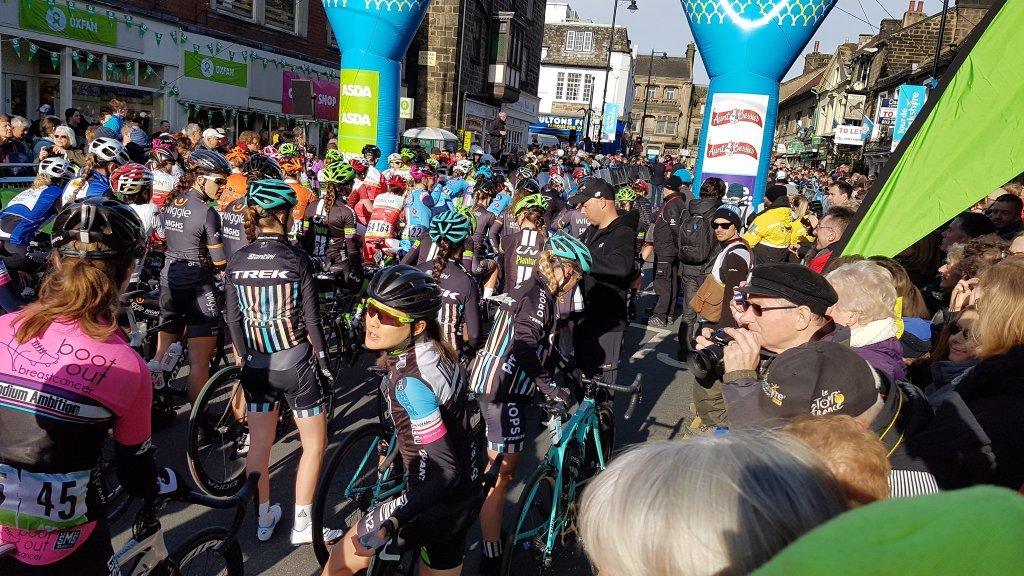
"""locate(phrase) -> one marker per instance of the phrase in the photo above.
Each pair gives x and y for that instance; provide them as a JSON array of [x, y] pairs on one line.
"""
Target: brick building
[[471, 59], [669, 102]]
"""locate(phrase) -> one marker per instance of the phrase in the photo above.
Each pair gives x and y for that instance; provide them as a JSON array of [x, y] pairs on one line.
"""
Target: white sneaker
[[265, 530], [304, 536]]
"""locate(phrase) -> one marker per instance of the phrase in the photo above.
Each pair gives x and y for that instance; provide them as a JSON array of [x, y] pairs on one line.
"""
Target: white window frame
[[670, 93], [570, 40], [588, 42], [573, 86], [560, 86], [579, 41], [259, 16], [588, 87], [652, 91]]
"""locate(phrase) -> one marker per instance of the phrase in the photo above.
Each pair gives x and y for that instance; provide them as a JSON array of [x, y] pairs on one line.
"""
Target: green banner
[[76, 23], [357, 109], [962, 146], [216, 69]]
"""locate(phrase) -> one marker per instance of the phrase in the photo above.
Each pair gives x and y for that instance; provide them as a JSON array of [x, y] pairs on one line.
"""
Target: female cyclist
[[237, 184], [425, 251], [520, 250], [426, 399], [508, 222], [371, 154], [133, 184], [509, 370], [483, 195], [418, 206], [163, 162], [273, 316], [460, 311], [69, 379], [104, 155], [29, 210], [195, 250], [293, 164], [329, 226]]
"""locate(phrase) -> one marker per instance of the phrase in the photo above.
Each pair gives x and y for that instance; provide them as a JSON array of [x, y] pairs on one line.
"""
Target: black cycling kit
[[330, 238], [273, 317], [460, 311], [232, 227], [572, 221], [481, 236], [520, 254]]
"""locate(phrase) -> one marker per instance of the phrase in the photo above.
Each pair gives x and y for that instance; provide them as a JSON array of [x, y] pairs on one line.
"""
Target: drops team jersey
[[520, 253]]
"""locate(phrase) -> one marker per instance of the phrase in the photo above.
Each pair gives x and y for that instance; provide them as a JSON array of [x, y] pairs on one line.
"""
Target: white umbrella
[[428, 133]]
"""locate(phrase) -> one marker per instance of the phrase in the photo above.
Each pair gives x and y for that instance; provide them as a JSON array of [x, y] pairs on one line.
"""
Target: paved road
[[664, 414]]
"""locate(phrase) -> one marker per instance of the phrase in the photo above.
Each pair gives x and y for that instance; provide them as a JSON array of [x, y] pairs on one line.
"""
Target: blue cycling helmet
[[452, 226], [484, 172], [569, 248], [270, 194]]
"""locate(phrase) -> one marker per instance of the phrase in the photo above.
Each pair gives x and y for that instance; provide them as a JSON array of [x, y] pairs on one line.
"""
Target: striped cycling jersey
[[520, 255]]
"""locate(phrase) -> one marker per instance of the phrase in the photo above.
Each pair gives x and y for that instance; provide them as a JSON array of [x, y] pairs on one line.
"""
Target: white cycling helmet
[[394, 157], [56, 167], [108, 150], [464, 166], [476, 149]]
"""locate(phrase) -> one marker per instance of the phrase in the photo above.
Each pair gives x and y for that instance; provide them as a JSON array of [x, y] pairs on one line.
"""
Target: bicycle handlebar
[[635, 390]]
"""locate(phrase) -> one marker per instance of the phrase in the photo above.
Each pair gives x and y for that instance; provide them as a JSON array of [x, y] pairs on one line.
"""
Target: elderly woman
[[867, 303], [64, 144], [706, 505]]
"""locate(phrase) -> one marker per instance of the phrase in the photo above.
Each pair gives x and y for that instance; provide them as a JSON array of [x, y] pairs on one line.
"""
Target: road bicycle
[[343, 320], [580, 448]]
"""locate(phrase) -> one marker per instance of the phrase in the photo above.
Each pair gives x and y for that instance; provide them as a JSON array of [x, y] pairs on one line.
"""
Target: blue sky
[[660, 24]]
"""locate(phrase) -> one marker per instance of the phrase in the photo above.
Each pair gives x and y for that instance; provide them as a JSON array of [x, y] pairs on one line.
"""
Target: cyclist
[[555, 193], [195, 249], [104, 154], [29, 210], [450, 195], [371, 154], [232, 217], [426, 398], [69, 379], [460, 311], [163, 161], [510, 368], [290, 158], [509, 221], [274, 319], [418, 206], [329, 226], [237, 184], [483, 195], [133, 183], [382, 229], [396, 166], [520, 250]]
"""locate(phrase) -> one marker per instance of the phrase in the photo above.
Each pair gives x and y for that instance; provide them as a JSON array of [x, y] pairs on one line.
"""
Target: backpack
[[696, 240]]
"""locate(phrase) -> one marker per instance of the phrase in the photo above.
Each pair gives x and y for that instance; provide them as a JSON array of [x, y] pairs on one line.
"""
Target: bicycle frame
[[386, 487], [147, 554]]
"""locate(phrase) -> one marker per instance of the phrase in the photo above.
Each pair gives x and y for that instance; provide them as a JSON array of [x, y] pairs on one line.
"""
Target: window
[[579, 41], [666, 125], [670, 93], [572, 86], [286, 15], [651, 91], [588, 87], [560, 87]]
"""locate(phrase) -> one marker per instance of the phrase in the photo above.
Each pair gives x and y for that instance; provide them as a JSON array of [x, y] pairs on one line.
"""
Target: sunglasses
[[218, 180], [758, 310], [386, 314], [955, 328], [722, 225]]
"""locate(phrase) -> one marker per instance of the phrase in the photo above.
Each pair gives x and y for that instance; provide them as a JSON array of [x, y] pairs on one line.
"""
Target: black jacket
[[657, 174], [666, 227], [994, 392], [604, 290]]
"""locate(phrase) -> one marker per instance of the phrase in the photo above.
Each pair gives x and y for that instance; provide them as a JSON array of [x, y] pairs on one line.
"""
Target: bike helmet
[[475, 150], [640, 186], [130, 179], [270, 194], [452, 226], [625, 194], [536, 200], [405, 290], [56, 167], [260, 166], [524, 173], [371, 150], [164, 142], [98, 219], [288, 150], [291, 164], [554, 169], [484, 172], [566, 247], [556, 180], [579, 174], [463, 166], [529, 185], [161, 156], [394, 158], [337, 173], [397, 183], [433, 164], [419, 172], [237, 154], [269, 151], [408, 154], [206, 161], [108, 150], [467, 211], [359, 165], [334, 155]]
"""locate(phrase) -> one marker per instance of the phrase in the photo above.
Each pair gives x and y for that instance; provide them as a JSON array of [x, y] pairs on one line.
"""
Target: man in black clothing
[[496, 133], [657, 180], [697, 251], [666, 251], [1005, 213], [611, 239]]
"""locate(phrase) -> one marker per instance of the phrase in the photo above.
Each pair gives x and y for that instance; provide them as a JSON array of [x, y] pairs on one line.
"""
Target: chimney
[[817, 45], [815, 59], [864, 39], [914, 14], [691, 49], [889, 25]]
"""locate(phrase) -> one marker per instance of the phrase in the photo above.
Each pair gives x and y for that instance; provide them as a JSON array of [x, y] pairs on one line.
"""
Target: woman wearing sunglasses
[[426, 397], [510, 369], [195, 251], [954, 355], [273, 317]]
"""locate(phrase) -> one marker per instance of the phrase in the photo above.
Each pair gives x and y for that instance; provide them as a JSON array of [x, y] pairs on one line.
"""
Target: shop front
[[474, 122], [521, 115]]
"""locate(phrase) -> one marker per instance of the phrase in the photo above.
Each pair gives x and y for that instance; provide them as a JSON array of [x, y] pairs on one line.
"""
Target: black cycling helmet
[[98, 219], [530, 185], [372, 149], [406, 289], [262, 167], [206, 161]]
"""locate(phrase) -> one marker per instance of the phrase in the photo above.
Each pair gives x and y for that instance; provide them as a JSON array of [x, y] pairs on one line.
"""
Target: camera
[[709, 362]]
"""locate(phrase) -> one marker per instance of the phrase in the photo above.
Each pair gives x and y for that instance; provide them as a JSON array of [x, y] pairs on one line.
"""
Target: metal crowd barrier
[[9, 181]]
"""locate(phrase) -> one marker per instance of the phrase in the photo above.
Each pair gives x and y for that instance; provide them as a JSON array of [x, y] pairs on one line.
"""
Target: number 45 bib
[[37, 501]]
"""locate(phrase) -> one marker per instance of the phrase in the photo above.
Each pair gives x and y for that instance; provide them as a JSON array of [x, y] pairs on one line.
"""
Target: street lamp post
[[608, 65], [647, 90]]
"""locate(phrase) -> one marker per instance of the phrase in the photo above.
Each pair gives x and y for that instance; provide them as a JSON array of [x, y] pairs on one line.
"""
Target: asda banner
[[62, 20], [216, 69], [747, 47], [373, 36]]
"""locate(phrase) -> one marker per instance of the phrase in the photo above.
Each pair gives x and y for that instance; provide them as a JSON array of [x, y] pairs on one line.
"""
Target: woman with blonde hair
[[705, 506], [867, 301], [994, 389]]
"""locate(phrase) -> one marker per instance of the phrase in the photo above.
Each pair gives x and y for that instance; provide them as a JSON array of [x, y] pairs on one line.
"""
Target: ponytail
[[185, 182], [87, 168], [444, 251]]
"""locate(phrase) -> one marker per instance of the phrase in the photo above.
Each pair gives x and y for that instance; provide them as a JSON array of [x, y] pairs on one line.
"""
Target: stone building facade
[[673, 112]]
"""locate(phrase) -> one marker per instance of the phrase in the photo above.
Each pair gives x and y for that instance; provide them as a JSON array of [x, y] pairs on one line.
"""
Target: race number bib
[[35, 501]]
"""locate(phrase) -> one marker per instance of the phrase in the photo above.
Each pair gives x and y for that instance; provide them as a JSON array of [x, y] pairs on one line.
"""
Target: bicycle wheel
[[525, 548], [198, 556], [215, 435], [352, 483]]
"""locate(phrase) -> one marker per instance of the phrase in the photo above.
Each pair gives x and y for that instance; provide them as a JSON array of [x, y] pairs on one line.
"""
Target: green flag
[[964, 144]]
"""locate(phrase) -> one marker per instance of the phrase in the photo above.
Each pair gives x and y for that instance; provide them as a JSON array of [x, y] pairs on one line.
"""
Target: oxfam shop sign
[[216, 69], [76, 23]]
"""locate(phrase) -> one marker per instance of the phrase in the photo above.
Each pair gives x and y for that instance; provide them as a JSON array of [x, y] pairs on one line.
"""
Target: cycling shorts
[[506, 424], [93, 558], [439, 533], [291, 374], [196, 310]]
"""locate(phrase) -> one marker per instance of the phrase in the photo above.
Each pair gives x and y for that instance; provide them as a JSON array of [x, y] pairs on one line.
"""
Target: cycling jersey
[[235, 188], [149, 215], [484, 221], [60, 395], [510, 365], [331, 237], [305, 197], [460, 312], [97, 185], [232, 227], [450, 195], [27, 212], [418, 214], [520, 255], [572, 221], [194, 243], [502, 200], [163, 183], [425, 251]]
